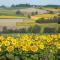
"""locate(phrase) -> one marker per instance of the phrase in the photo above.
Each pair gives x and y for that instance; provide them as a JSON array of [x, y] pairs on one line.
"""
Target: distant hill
[[25, 5], [28, 5]]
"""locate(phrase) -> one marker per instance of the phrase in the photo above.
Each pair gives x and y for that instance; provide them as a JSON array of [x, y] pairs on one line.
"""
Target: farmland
[[45, 16], [26, 17], [29, 33], [12, 11], [11, 17]]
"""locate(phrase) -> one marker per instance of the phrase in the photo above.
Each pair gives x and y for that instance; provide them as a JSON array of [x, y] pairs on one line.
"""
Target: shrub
[[4, 29], [58, 29], [19, 12], [29, 16], [54, 20], [22, 30], [57, 55], [49, 30], [35, 29], [58, 20], [51, 12]]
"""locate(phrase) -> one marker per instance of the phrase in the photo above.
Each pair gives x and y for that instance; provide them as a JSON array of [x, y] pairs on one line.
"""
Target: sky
[[35, 2]]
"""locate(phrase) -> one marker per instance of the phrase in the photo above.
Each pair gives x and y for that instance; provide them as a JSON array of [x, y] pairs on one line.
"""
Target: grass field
[[51, 8], [41, 24], [12, 17], [30, 24], [45, 16], [25, 11]]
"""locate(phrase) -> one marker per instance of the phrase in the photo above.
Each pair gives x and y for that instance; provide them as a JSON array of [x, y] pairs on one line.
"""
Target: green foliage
[[21, 5], [19, 13], [35, 29], [50, 30]]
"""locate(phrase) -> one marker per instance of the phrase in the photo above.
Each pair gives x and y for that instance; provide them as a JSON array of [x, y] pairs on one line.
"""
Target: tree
[[29, 16], [51, 12], [18, 12], [12, 5], [36, 12], [35, 29], [32, 13], [49, 30], [4, 30], [3, 6]]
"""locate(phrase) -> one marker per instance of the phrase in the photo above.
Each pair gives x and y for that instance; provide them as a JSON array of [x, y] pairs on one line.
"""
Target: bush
[[29, 16], [9, 31], [42, 20], [58, 29], [35, 29], [34, 13], [50, 12], [22, 30], [4, 29], [57, 55], [54, 20], [19, 12], [58, 20], [49, 30]]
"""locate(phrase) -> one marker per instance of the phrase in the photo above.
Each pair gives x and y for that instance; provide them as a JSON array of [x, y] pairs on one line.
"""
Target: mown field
[[12, 11]]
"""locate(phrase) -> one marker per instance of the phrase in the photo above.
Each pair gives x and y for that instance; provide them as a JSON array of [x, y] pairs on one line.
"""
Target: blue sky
[[40, 2]]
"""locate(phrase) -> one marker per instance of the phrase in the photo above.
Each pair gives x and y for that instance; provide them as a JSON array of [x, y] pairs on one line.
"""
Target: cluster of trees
[[59, 20], [53, 6], [34, 13], [32, 29], [58, 29], [18, 12], [51, 20], [26, 5], [35, 29], [29, 5], [21, 5], [50, 30]]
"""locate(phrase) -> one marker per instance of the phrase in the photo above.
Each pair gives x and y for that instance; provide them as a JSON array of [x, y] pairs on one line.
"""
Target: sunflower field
[[45, 16], [30, 47]]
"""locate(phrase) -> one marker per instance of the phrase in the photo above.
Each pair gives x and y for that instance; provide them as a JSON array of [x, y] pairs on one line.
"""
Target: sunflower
[[10, 49], [58, 45], [34, 48]]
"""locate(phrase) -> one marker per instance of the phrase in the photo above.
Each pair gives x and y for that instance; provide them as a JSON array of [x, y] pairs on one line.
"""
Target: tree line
[[31, 29]]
